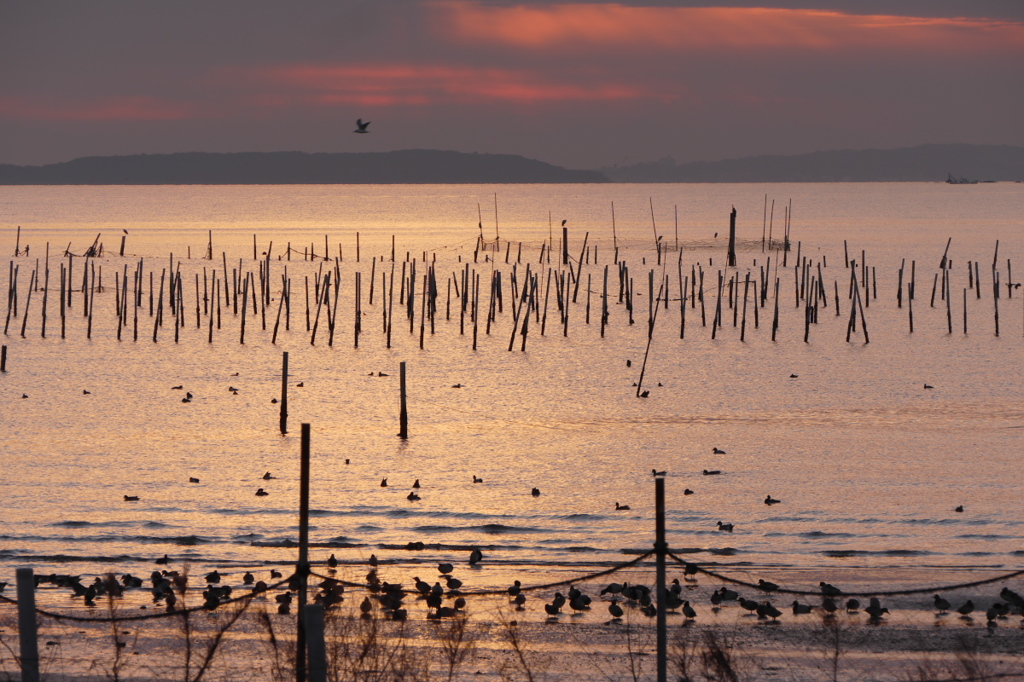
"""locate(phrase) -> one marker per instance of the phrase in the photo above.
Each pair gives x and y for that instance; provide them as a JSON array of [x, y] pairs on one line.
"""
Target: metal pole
[[660, 549], [284, 393], [302, 569], [27, 625], [403, 413]]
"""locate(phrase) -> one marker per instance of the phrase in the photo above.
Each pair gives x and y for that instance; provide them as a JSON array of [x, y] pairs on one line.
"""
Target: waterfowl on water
[[712, 472], [717, 451], [260, 492], [959, 509], [800, 609], [193, 479], [770, 500], [84, 392], [852, 605], [179, 387], [928, 386], [267, 476], [475, 557], [412, 497], [687, 491], [445, 568], [477, 479], [131, 498], [727, 527], [966, 609], [941, 605], [655, 472], [332, 561], [416, 483], [535, 492], [875, 609], [384, 482], [621, 507]]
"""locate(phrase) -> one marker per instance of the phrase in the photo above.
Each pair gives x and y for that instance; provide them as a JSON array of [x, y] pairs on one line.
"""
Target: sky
[[577, 84]]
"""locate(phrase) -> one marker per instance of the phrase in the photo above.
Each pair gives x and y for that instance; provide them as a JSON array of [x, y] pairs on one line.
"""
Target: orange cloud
[[122, 108], [608, 26], [426, 84]]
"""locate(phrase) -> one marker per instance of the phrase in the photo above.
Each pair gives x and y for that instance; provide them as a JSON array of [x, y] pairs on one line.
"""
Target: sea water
[[869, 464]]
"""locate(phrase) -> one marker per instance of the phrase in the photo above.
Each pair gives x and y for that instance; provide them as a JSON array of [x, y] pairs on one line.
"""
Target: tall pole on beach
[[302, 569], [660, 548], [27, 638]]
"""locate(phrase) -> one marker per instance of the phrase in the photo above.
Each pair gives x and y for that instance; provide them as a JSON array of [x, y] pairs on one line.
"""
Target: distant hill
[[282, 168], [910, 164]]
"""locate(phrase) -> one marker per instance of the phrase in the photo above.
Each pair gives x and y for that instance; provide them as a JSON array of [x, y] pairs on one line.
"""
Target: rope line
[[532, 588], [149, 616], [817, 593]]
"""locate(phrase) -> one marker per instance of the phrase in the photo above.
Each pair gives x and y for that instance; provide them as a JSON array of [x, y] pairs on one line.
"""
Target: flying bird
[[361, 127]]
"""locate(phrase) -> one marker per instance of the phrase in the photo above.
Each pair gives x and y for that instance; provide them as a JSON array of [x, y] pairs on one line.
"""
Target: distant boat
[[951, 180]]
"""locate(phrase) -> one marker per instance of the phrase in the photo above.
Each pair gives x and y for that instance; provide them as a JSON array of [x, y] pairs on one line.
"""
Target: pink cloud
[[118, 108], [414, 84], [610, 26]]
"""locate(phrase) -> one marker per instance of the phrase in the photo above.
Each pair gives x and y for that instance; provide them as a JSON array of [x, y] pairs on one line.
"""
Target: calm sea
[[869, 464]]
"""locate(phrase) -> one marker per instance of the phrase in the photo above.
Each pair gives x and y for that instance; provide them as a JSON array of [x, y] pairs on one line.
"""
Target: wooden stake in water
[[283, 422], [403, 412], [732, 238]]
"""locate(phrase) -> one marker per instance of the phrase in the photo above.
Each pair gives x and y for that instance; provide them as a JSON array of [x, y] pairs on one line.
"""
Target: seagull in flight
[[361, 127]]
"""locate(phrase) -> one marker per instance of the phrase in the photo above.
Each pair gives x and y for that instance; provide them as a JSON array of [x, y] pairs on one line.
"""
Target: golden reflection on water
[[854, 445]]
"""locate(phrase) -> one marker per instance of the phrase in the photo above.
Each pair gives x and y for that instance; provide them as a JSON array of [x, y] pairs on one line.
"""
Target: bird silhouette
[[727, 527], [361, 127], [771, 500], [941, 605], [621, 507]]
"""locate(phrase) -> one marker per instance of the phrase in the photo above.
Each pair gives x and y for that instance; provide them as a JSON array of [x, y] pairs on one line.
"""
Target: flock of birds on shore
[[387, 600]]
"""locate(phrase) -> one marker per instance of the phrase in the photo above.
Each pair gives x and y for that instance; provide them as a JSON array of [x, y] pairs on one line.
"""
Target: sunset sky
[[578, 84]]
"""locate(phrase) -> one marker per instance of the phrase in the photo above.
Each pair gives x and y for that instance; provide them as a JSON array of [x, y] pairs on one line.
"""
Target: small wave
[[247, 537], [488, 528], [287, 542], [980, 536], [97, 524], [71, 524], [155, 524], [844, 553], [187, 540], [582, 517], [366, 528], [823, 534]]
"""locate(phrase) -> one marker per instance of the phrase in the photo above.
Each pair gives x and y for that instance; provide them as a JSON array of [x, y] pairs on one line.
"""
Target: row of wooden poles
[[479, 294]]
